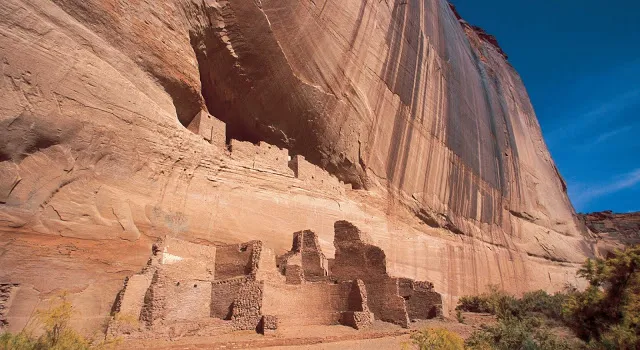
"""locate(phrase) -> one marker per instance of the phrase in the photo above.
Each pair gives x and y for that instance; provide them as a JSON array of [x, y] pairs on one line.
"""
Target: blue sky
[[580, 62]]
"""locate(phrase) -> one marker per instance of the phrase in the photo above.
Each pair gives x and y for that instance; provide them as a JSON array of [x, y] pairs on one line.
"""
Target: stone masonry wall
[[421, 300], [233, 260], [305, 261], [355, 259], [247, 306], [359, 316], [262, 157], [223, 293]]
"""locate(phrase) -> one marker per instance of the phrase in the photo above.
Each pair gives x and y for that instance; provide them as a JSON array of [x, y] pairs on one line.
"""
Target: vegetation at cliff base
[[437, 338], [606, 315], [58, 334]]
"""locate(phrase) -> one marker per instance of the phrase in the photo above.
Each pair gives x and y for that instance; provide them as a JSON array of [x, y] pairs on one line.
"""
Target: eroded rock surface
[[613, 230], [394, 115]]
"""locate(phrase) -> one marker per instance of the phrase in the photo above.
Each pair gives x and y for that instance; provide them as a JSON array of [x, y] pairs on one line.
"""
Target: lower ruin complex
[[191, 289]]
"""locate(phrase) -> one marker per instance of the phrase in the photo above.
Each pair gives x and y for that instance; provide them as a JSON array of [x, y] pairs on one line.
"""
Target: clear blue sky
[[580, 62]]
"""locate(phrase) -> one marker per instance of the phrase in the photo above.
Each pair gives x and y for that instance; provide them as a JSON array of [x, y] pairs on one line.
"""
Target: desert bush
[[18, 341], [517, 333], [543, 303], [459, 316], [495, 302], [436, 339], [607, 313], [58, 335], [501, 304]]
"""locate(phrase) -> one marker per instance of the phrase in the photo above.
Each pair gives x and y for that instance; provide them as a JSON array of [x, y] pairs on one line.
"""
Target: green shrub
[[495, 302], [459, 316], [517, 333], [437, 339], [543, 303], [607, 313], [499, 303], [58, 335], [18, 341]]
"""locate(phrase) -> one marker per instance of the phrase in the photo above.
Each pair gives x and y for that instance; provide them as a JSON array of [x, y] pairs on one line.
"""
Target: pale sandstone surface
[[397, 99]]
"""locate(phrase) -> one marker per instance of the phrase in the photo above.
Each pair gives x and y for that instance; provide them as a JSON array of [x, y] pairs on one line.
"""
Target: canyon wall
[[123, 122], [612, 231]]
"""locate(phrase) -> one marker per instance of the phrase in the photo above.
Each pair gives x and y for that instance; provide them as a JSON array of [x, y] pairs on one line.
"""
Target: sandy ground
[[381, 335]]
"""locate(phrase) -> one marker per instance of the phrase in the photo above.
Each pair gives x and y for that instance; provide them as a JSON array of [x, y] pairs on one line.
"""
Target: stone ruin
[[203, 290], [264, 157]]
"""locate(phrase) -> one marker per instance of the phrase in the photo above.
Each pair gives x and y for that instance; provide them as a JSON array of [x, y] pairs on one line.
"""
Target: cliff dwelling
[[197, 289]]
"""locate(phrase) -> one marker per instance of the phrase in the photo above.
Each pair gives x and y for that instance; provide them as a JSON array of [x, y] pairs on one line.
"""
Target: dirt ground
[[381, 335]]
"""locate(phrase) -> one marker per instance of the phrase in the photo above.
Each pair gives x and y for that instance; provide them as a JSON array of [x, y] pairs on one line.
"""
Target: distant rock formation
[[221, 122], [613, 230]]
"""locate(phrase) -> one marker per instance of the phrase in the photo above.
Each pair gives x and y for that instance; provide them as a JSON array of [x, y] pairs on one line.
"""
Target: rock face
[[613, 230], [394, 115]]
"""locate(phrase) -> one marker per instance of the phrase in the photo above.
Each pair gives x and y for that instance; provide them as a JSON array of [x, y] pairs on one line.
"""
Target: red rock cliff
[[418, 111]]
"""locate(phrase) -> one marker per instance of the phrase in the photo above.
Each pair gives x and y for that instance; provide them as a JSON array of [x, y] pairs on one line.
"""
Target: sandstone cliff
[[612, 230], [397, 116]]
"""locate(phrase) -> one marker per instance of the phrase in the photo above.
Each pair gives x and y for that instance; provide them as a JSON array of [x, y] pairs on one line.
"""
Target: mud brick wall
[[234, 260], [355, 259], [172, 300], [314, 263], [306, 304], [190, 300], [186, 260], [210, 128], [315, 175], [294, 274], [262, 157], [267, 269], [421, 300], [386, 303]]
